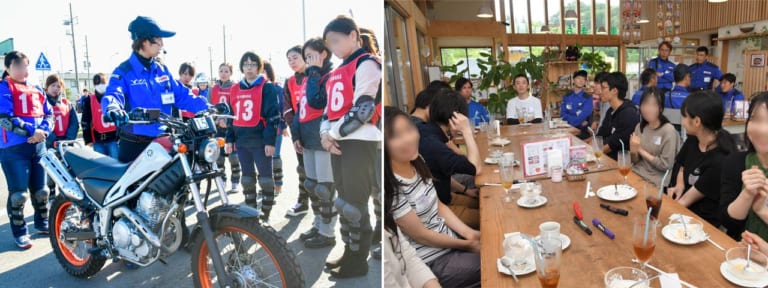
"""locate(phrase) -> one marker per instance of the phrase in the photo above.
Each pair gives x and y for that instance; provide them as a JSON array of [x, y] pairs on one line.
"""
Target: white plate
[[609, 192], [563, 238], [741, 282], [540, 201], [530, 266], [674, 233], [500, 142]]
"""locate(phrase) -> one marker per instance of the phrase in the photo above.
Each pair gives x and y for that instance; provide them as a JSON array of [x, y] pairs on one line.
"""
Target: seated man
[[477, 112], [674, 98], [647, 79], [523, 101], [577, 105], [447, 117], [729, 93], [620, 119]]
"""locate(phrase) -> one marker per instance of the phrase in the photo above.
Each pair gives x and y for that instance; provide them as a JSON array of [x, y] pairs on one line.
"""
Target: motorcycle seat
[[86, 163]]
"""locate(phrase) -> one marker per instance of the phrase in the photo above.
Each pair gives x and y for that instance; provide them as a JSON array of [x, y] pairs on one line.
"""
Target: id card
[[168, 98]]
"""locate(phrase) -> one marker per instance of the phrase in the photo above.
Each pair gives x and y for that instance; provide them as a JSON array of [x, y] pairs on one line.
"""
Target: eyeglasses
[[250, 65]]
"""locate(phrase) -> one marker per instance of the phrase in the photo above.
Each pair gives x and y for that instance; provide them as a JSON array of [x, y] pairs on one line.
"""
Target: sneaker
[[376, 251], [42, 229], [298, 209], [320, 241], [311, 233], [23, 242], [235, 188]]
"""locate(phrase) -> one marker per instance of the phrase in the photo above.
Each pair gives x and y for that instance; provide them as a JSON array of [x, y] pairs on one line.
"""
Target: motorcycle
[[134, 211]]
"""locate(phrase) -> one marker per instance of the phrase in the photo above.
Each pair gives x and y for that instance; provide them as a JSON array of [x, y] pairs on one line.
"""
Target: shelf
[[742, 36]]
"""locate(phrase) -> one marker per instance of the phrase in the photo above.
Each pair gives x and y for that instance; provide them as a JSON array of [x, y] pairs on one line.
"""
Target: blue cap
[[145, 27]]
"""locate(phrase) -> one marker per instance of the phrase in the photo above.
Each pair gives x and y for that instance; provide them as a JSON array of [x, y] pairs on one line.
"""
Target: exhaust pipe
[[64, 181]]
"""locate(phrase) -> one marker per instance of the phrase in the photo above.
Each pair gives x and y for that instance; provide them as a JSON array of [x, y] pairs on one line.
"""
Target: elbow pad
[[15, 125], [361, 113]]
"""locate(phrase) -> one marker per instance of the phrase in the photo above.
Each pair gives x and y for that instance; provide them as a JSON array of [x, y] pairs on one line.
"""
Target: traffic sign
[[42, 63]]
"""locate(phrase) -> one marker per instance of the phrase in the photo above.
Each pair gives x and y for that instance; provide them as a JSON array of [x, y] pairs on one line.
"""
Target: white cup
[[549, 230]]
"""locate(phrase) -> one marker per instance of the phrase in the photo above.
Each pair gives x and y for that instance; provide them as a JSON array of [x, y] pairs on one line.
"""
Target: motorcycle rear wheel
[[74, 256], [246, 247]]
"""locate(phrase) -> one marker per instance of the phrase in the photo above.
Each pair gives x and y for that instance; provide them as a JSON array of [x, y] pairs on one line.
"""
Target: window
[[520, 11], [470, 56], [610, 55], [508, 16], [538, 18], [518, 53], [585, 15], [553, 15], [615, 17], [601, 16], [570, 25], [399, 81]]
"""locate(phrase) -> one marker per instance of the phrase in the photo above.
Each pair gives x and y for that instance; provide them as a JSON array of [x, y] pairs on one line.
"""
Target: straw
[[647, 225], [498, 127], [749, 255], [622, 146], [661, 185]]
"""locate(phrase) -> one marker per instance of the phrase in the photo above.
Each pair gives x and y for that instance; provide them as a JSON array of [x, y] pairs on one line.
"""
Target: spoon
[[506, 264]]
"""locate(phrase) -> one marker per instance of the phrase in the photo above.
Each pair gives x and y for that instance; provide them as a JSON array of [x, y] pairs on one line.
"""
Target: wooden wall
[[700, 15]]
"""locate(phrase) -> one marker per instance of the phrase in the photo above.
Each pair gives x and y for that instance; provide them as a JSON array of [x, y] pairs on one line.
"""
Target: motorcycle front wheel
[[253, 255], [74, 256]]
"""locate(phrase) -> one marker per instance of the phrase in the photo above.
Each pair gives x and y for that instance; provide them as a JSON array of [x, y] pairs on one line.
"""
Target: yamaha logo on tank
[[149, 153]]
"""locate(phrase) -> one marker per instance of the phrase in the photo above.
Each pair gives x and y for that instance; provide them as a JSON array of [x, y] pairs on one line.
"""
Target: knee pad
[[325, 194], [267, 184], [277, 169], [41, 196], [301, 172], [310, 185], [349, 212], [249, 182]]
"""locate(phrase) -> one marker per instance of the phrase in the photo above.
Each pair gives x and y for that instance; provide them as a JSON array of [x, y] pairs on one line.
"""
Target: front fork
[[205, 224]]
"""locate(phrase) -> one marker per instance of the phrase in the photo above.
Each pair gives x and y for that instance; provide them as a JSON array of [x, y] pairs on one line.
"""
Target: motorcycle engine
[[152, 209]]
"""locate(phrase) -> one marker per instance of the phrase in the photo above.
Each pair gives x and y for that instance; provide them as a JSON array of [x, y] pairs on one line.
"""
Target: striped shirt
[[421, 198]]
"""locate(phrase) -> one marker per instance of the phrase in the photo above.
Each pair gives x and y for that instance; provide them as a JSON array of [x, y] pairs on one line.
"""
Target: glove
[[17, 126], [117, 116]]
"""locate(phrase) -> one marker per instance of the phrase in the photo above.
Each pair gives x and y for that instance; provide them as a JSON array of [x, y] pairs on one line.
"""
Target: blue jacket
[[309, 133], [638, 95], [477, 109], [666, 67], [270, 110], [674, 98], [134, 86], [576, 108], [729, 97], [703, 74], [6, 107]]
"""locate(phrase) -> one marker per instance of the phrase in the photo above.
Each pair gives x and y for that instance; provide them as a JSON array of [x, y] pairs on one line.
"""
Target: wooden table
[[734, 126], [587, 259]]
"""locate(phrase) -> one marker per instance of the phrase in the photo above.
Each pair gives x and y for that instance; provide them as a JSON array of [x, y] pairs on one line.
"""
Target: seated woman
[[698, 164], [655, 141], [448, 246], [744, 186]]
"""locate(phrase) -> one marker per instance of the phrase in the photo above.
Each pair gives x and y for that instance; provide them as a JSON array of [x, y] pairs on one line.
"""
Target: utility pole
[[87, 63], [224, 34], [74, 47], [210, 62], [303, 20]]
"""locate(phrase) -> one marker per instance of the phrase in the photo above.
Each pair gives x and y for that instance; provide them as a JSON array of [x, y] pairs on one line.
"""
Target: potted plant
[[496, 72]]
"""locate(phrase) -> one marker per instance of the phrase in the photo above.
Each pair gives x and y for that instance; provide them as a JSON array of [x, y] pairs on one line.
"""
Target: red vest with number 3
[[96, 115], [341, 91], [299, 95], [61, 117], [220, 95], [247, 105], [27, 100]]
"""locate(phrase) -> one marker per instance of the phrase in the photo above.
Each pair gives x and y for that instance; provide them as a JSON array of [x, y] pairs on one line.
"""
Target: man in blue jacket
[[577, 105], [663, 66], [703, 73], [675, 97], [729, 92], [142, 82], [648, 79]]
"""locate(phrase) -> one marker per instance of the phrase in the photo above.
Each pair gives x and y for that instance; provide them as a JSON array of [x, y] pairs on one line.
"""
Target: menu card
[[535, 154]]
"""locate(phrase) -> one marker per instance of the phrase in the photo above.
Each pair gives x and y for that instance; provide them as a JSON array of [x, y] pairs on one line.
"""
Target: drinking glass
[[625, 166], [597, 146], [644, 244], [548, 262], [507, 174]]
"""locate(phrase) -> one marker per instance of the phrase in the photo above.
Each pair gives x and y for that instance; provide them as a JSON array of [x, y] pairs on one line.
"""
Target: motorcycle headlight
[[209, 151]]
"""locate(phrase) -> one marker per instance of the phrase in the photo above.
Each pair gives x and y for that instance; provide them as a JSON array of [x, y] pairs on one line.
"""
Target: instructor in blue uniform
[[143, 82], [703, 73], [663, 67]]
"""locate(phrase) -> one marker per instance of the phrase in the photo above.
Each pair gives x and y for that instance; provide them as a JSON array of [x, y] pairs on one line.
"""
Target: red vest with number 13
[[246, 105]]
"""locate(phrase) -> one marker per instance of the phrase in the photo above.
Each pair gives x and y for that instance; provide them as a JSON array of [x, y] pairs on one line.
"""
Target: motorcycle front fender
[[233, 211]]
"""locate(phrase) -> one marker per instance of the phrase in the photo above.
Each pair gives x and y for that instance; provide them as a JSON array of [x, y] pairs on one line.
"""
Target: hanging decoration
[[668, 20], [630, 28]]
